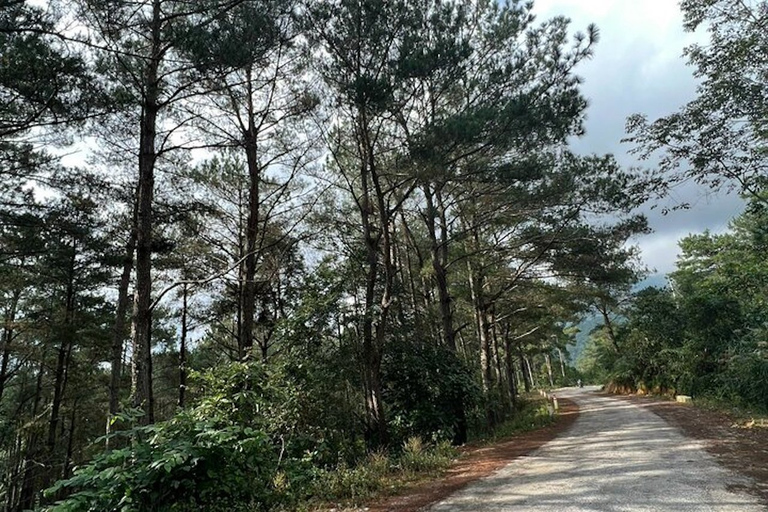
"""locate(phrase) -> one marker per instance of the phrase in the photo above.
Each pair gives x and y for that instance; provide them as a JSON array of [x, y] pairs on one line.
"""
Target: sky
[[639, 67]]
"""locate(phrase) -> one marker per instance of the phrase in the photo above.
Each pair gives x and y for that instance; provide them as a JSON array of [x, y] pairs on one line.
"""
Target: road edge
[[478, 463]]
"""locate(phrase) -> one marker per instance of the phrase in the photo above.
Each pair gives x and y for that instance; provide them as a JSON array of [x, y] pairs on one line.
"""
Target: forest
[[257, 252]]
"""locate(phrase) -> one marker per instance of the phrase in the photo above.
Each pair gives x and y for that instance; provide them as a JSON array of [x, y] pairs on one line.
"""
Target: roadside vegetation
[[259, 252], [706, 334], [220, 455]]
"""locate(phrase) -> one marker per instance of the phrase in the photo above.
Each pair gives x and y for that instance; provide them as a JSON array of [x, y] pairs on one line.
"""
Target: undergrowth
[[532, 415], [382, 474], [238, 449]]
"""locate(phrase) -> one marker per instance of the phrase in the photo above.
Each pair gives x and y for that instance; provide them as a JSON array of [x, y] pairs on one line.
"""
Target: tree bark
[[562, 362], [376, 312], [525, 370], [30, 467], [7, 337], [603, 308], [183, 349], [439, 258], [118, 328], [142, 312], [248, 290], [548, 363], [67, 334], [509, 362]]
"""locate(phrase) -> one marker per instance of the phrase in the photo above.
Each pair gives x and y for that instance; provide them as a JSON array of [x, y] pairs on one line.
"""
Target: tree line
[[303, 231], [704, 334]]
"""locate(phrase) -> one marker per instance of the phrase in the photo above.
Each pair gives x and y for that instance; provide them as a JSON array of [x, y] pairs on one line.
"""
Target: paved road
[[617, 457]]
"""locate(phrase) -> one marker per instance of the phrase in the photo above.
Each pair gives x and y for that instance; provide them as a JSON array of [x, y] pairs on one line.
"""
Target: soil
[[475, 463], [739, 445]]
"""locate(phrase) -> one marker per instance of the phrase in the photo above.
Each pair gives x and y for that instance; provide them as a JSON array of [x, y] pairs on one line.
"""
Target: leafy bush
[[219, 455], [425, 387], [531, 414]]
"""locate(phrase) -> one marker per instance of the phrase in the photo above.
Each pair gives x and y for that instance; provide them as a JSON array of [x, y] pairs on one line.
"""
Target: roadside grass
[[380, 474], [743, 415], [384, 474], [533, 415]]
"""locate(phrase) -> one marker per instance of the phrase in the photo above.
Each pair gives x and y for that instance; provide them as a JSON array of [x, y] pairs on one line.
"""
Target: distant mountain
[[589, 322], [592, 320]]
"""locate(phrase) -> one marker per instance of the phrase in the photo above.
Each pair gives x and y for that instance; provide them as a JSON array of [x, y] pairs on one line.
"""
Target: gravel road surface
[[617, 457]]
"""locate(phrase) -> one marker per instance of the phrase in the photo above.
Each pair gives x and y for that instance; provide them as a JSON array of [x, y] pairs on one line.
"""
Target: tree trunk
[[439, 257], [183, 349], [530, 372], [142, 312], [548, 363], [509, 362], [496, 349], [66, 467], [562, 363], [7, 337], [30, 466], [603, 308], [67, 334], [524, 369], [118, 328], [248, 297], [376, 243]]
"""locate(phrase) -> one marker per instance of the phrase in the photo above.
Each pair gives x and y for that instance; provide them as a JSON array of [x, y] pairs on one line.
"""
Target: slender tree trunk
[[530, 372], [439, 257], [183, 349], [142, 312], [603, 308], [525, 370], [30, 465], [119, 327], [501, 375], [562, 363], [377, 242], [411, 282], [438, 253], [509, 363], [548, 363], [66, 467], [248, 297], [7, 337], [63, 356]]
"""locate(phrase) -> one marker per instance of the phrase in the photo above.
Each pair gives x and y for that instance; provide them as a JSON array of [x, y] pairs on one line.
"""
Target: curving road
[[617, 457]]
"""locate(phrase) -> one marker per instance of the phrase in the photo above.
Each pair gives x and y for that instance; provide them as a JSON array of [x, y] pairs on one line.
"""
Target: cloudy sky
[[638, 68]]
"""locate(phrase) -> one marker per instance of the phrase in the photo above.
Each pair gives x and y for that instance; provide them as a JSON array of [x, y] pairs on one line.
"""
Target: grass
[[742, 415], [531, 416], [384, 474]]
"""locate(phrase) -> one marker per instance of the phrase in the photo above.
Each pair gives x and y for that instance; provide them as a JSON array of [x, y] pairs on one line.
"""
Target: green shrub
[[426, 388], [418, 457], [531, 414], [219, 455]]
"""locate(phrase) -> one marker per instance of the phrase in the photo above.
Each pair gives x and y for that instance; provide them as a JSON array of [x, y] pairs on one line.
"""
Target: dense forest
[[251, 249], [706, 333]]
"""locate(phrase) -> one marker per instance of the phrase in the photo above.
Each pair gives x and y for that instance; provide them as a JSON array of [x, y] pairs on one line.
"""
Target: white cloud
[[639, 68]]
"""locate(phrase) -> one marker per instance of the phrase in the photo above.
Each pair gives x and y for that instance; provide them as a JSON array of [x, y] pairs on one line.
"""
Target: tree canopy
[[354, 233]]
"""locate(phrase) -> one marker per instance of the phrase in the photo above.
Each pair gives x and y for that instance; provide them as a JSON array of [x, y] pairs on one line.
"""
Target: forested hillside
[[295, 240], [706, 333]]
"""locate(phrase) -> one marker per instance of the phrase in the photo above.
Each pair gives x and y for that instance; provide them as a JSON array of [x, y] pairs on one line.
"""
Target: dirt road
[[617, 457]]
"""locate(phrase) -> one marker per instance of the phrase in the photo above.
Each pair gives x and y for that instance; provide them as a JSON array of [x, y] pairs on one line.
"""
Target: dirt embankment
[[475, 463]]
